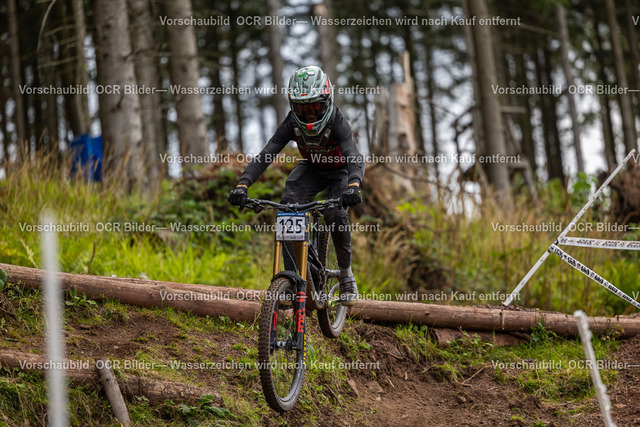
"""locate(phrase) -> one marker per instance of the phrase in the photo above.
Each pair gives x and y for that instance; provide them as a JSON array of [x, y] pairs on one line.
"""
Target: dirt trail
[[415, 394], [625, 393], [402, 393]]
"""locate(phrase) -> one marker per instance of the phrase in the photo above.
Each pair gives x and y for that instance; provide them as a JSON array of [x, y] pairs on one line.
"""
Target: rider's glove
[[351, 196], [238, 196]]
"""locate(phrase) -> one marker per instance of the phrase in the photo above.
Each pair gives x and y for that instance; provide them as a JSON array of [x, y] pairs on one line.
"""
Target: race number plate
[[292, 226]]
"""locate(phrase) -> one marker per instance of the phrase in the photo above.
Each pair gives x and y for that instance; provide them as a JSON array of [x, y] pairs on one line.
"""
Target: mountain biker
[[330, 160]]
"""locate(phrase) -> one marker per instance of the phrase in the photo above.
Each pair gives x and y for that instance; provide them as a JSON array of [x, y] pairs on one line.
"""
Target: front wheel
[[281, 360], [332, 318]]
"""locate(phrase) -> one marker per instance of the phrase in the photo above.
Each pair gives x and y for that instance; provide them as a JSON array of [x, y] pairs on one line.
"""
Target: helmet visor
[[310, 113]]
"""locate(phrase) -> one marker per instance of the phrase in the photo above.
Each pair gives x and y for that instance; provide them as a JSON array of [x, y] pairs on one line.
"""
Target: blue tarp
[[87, 157]]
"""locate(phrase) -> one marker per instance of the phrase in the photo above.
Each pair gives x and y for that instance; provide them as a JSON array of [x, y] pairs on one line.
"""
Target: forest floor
[[403, 388]]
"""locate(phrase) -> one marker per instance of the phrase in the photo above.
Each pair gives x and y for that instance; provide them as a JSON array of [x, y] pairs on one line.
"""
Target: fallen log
[[445, 336], [200, 299], [206, 300], [85, 372], [32, 277], [499, 319]]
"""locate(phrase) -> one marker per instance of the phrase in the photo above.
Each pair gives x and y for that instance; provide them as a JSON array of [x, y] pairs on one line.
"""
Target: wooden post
[[113, 392]]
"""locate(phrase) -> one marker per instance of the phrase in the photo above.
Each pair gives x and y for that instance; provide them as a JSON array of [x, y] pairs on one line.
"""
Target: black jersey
[[340, 150]]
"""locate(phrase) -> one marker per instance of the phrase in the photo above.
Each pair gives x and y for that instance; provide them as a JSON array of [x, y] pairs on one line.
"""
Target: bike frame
[[301, 251], [304, 253]]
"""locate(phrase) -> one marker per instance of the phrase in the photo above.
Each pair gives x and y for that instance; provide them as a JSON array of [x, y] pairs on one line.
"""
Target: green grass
[[328, 366], [24, 398], [547, 366], [424, 245], [463, 253], [423, 248], [24, 395]]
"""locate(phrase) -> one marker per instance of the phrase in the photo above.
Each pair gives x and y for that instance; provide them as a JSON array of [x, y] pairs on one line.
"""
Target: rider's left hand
[[351, 196]]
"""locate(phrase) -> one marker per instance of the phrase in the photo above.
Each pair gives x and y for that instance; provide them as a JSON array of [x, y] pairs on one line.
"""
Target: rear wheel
[[332, 318], [281, 366]]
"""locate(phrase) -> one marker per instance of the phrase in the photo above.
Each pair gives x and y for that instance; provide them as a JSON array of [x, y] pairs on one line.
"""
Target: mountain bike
[[282, 336]]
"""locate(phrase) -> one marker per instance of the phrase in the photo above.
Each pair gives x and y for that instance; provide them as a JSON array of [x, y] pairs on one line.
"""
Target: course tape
[[569, 227], [600, 243], [591, 274]]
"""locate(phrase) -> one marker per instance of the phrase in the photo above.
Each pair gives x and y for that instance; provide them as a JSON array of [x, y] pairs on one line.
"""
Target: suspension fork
[[301, 250]]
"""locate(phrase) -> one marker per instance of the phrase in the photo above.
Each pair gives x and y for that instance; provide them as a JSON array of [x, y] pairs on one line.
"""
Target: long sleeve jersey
[[340, 150]]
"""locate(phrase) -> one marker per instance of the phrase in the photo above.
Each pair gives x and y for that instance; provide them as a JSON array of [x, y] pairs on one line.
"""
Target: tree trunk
[[395, 130], [119, 113], [403, 138], [4, 153], [30, 105], [16, 78], [132, 386], [477, 121], [551, 145], [213, 301], [27, 147], [413, 69], [497, 173], [366, 102], [554, 132], [605, 104], [80, 69], [634, 58], [326, 40], [568, 73], [4, 121], [236, 82], [431, 98], [279, 99], [38, 106], [47, 70], [146, 69], [626, 108], [73, 66], [528, 143], [184, 70], [219, 117], [544, 112], [607, 132], [261, 113]]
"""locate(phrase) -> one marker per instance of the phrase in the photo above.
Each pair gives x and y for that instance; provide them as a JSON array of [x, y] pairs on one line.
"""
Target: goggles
[[312, 112]]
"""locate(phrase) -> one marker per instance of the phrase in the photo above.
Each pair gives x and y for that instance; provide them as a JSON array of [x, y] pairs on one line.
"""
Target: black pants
[[303, 184]]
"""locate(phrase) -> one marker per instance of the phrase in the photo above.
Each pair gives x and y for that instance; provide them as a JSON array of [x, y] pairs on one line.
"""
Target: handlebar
[[258, 205]]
